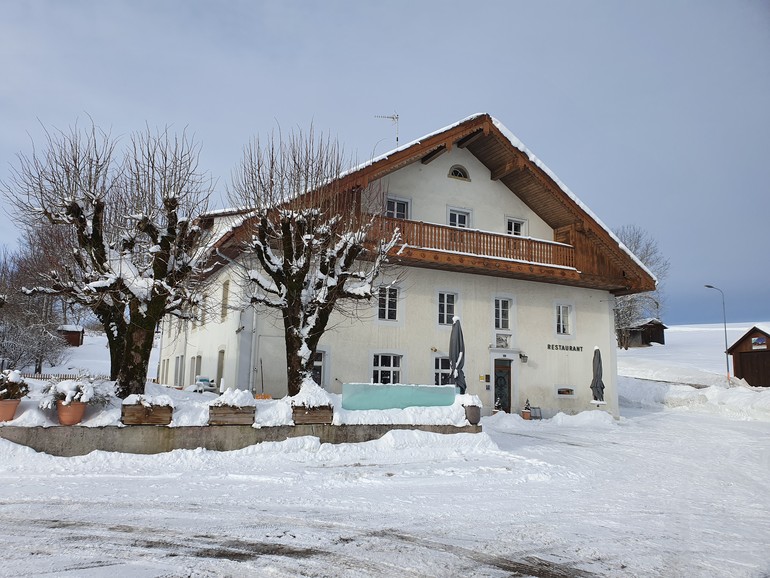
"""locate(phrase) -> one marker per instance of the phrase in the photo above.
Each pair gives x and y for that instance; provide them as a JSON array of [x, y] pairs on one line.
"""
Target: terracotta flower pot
[[72, 413], [8, 408]]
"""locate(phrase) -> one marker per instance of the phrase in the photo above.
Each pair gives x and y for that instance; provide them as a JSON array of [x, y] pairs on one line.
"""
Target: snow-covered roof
[[73, 328]]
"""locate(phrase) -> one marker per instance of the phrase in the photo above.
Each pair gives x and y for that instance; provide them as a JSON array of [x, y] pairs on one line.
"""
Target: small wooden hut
[[642, 334], [751, 356], [73, 334]]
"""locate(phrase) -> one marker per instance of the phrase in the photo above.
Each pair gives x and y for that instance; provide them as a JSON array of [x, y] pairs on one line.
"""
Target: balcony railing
[[481, 243]]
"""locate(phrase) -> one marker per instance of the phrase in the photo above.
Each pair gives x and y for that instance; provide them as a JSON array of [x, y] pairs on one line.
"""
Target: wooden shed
[[73, 334], [751, 356], [642, 334]]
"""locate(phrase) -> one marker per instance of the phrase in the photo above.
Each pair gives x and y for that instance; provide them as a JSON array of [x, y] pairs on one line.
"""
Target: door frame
[[506, 355]]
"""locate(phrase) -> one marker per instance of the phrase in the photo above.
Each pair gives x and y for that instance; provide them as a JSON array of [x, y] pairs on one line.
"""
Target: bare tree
[[28, 323], [133, 222], [315, 242], [630, 309]]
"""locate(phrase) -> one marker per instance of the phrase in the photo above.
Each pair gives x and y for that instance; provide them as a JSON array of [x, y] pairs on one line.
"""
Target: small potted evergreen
[[12, 389], [69, 397]]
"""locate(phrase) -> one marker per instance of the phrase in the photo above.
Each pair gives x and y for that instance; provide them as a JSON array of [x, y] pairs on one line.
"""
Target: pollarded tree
[[318, 249], [630, 309], [132, 219]]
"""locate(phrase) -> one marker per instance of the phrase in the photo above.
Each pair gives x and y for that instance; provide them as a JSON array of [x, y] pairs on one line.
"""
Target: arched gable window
[[459, 172]]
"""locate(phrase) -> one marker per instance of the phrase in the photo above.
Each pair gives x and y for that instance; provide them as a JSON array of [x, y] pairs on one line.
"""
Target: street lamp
[[724, 321]]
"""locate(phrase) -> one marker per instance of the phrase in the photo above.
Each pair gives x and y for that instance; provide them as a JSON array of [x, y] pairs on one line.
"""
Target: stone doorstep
[[151, 439]]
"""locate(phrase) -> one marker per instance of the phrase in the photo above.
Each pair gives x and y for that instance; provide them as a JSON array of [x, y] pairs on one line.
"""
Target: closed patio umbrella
[[457, 354], [597, 386]]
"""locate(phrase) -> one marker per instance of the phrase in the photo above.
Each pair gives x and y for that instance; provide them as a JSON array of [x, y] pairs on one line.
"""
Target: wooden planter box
[[142, 415], [306, 415], [230, 415]]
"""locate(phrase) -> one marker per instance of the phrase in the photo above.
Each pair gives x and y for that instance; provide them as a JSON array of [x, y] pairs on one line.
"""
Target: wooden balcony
[[479, 252]]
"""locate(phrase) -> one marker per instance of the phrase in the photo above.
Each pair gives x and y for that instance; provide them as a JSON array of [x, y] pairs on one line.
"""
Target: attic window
[[459, 172]]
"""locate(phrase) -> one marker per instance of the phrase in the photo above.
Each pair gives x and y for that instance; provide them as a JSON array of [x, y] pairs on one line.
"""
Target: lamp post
[[724, 321]]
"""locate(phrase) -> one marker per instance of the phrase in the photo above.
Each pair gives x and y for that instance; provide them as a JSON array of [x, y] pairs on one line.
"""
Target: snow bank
[[742, 401]]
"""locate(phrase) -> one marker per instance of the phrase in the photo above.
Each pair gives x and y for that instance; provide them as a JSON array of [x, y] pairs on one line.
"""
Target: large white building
[[488, 234]]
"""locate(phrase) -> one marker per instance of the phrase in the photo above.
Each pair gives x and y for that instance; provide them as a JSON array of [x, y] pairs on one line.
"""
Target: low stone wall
[[148, 439]]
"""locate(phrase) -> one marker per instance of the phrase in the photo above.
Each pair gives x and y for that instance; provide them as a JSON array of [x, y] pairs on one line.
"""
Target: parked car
[[202, 384]]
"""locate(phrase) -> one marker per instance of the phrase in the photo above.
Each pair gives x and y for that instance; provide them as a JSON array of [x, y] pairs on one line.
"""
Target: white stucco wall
[[430, 192]]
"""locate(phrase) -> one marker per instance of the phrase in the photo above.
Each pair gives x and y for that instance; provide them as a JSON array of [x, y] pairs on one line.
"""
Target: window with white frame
[[516, 227], [446, 307], [459, 218], [397, 208], [386, 368], [318, 368], [563, 319], [459, 172], [502, 323], [502, 313], [442, 370], [388, 304]]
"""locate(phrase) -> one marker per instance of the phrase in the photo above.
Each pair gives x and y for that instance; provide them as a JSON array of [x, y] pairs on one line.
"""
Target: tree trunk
[[115, 327], [295, 369], [132, 375]]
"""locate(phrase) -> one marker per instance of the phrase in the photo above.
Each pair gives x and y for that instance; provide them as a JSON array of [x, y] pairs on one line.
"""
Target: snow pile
[[741, 401], [311, 395], [149, 400], [234, 398]]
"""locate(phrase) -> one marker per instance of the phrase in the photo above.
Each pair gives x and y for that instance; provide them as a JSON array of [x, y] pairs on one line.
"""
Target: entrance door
[[503, 384]]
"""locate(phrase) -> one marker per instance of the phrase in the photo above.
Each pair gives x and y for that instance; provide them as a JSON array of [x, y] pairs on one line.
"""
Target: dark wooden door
[[503, 384], [755, 367]]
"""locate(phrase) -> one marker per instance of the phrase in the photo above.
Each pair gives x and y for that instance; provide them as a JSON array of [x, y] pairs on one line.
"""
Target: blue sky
[[654, 113]]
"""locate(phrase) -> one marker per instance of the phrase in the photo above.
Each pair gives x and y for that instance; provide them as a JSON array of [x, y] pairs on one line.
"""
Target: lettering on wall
[[557, 347]]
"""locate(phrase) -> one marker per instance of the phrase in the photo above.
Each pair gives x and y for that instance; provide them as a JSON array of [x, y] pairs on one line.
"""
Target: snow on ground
[[678, 487]]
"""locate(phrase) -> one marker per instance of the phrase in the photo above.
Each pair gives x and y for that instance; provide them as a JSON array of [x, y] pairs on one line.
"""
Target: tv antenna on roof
[[392, 117]]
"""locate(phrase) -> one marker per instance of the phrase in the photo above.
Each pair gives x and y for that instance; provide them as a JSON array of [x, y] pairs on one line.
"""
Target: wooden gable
[[601, 261]]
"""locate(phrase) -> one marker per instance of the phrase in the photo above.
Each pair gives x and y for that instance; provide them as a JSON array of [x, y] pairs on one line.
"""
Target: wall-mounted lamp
[[433, 349], [523, 357]]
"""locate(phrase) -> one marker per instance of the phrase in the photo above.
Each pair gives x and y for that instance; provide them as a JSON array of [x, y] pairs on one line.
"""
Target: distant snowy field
[[680, 486]]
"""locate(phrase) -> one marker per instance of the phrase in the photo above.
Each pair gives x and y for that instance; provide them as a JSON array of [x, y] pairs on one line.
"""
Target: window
[[446, 308], [388, 304], [442, 373], [502, 313], [179, 371], [515, 227], [386, 368], [220, 367], [318, 368], [225, 299], [563, 313], [459, 172], [397, 209], [458, 218]]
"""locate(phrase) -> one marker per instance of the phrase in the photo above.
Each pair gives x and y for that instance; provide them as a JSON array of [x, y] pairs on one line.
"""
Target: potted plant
[[70, 397], [526, 413], [233, 407], [12, 389], [140, 409]]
